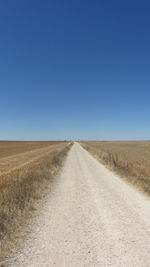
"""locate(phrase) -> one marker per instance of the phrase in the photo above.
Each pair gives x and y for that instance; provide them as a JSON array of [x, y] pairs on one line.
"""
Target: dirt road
[[91, 218]]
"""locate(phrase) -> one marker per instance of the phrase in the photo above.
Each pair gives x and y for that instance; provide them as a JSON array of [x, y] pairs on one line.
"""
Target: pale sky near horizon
[[74, 70]]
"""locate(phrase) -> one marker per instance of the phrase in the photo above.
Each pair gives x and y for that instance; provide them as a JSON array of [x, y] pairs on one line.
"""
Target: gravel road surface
[[90, 218]]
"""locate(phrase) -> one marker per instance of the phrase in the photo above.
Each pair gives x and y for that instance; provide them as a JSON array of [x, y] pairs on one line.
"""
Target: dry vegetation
[[130, 159], [19, 193], [17, 164], [9, 148]]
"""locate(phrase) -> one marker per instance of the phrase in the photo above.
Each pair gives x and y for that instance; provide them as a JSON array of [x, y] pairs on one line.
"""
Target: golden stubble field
[[16, 158], [130, 159], [9, 148], [27, 170]]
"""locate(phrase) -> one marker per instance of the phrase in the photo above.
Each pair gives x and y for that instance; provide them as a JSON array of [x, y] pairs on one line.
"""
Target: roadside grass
[[18, 198], [131, 160]]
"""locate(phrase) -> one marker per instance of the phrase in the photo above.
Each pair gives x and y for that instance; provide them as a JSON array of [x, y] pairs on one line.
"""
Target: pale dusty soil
[[91, 218]]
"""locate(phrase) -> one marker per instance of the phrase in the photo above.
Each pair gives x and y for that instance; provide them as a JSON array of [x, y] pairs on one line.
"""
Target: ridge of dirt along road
[[90, 218]]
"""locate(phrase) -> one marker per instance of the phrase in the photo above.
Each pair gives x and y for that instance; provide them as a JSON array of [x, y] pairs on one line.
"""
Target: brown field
[[9, 148], [25, 177], [23, 156], [130, 159]]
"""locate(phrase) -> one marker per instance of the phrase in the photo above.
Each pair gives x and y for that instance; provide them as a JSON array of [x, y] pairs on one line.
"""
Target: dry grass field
[[24, 178], [130, 159], [18, 164], [9, 148]]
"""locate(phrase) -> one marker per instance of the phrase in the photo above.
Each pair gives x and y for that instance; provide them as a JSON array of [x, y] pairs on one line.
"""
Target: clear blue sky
[[74, 69]]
